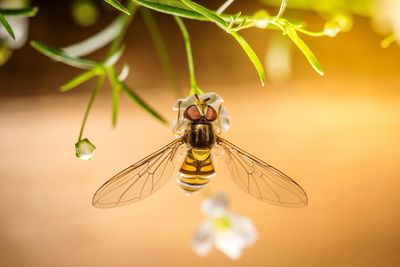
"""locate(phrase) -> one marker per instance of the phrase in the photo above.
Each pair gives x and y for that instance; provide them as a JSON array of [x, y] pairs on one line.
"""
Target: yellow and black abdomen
[[196, 171]]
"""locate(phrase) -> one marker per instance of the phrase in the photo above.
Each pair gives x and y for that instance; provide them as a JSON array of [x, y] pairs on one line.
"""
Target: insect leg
[[219, 120], [178, 119]]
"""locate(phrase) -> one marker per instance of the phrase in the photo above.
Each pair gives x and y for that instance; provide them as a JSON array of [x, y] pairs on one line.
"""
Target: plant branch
[[99, 85], [194, 89]]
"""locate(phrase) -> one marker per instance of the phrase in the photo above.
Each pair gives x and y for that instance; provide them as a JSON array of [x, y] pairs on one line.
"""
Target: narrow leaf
[[206, 12], [26, 11], [118, 6], [7, 26], [172, 7], [63, 57], [221, 22], [312, 59], [252, 56], [142, 103], [78, 80], [96, 41], [224, 6], [282, 8]]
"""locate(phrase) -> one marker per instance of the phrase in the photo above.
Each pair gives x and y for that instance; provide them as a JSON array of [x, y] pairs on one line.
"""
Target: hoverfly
[[201, 120]]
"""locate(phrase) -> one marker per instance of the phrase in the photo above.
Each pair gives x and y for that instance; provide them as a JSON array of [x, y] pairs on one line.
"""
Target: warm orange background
[[337, 135]]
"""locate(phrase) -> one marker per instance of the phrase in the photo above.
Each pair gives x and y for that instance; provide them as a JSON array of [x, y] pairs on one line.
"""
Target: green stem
[[194, 89], [99, 84], [314, 34], [115, 88]]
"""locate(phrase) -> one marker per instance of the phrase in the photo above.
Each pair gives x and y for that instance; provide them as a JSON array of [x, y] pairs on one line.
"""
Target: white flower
[[229, 232], [214, 100], [19, 24], [386, 18], [331, 28], [278, 58], [84, 149]]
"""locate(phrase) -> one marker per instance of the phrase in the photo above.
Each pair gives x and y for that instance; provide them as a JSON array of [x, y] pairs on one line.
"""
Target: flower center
[[222, 223]]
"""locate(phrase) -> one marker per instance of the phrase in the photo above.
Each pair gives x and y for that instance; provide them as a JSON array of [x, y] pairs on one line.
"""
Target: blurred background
[[336, 135]]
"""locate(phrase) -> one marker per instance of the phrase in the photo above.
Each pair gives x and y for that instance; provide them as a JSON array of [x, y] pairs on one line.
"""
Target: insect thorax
[[200, 138]]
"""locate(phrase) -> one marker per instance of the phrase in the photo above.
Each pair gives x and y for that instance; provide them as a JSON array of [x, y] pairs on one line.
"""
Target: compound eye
[[192, 113], [211, 114]]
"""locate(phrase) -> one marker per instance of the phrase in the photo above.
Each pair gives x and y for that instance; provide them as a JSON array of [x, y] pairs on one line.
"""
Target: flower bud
[[84, 149], [331, 28]]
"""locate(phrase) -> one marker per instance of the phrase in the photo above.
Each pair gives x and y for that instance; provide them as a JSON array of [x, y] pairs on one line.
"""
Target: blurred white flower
[[229, 232], [386, 17], [278, 58], [214, 100], [84, 149], [262, 19], [19, 24]]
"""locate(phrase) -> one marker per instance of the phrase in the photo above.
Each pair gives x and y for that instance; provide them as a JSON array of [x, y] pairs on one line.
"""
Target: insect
[[201, 120]]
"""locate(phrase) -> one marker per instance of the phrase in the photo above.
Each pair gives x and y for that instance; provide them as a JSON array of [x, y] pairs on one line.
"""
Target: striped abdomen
[[195, 174]]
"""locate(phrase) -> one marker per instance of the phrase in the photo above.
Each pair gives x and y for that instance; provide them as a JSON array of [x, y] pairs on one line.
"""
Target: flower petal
[[214, 99], [230, 243], [244, 227], [203, 239], [215, 206], [224, 120], [184, 103]]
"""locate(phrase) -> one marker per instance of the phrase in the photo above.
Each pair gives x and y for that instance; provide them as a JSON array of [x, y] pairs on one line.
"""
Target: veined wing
[[260, 179], [139, 180]]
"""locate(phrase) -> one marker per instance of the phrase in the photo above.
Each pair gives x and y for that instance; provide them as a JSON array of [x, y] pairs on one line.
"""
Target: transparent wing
[[260, 179], [139, 180]]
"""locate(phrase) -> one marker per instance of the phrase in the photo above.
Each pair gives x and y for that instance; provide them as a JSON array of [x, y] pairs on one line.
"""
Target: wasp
[[200, 122]]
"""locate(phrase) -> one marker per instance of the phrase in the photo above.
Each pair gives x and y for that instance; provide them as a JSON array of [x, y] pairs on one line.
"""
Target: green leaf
[[282, 8], [78, 80], [221, 23], [172, 7], [26, 11], [312, 59], [7, 26], [61, 56], [252, 56], [207, 13], [142, 103], [98, 40], [118, 6]]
